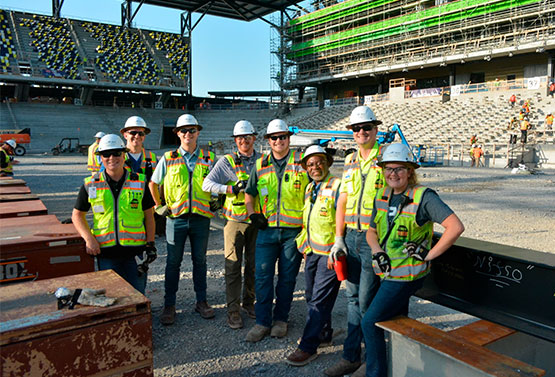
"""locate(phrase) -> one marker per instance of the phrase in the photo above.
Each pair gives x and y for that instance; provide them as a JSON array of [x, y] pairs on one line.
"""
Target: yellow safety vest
[[361, 189], [405, 229], [117, 220], [148, 163], [318, 233], [8, 169], [178, 183], [92, 162], [282, 201], [234, 208]]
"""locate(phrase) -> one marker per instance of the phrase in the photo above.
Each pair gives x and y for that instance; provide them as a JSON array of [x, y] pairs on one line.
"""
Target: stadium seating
[[52, 40], [121, 54], [7, 47], [175, 49]]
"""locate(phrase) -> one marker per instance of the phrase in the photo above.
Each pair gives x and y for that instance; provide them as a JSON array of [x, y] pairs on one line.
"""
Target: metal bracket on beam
[[126, 16], [57, 8]]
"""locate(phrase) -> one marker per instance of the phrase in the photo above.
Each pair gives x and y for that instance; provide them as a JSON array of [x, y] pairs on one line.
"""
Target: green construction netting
[[444, 14]]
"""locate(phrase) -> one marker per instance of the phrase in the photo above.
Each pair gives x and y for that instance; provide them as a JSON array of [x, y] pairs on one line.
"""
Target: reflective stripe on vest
[[282, 202], [318, 233], [234, 208], [8, 161], [120, 223], [361, 189], [405, 229], [177, 182], [92, 161]]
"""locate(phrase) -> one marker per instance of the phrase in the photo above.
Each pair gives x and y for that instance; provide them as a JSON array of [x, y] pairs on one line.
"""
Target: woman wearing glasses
[[400, 236], [123, 221]]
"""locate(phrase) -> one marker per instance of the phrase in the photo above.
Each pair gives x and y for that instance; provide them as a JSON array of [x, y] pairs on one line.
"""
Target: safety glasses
[[109, 154], [192, 131], [367, 128], [244, 137], [278, 137], [400, 169], [134, 133]]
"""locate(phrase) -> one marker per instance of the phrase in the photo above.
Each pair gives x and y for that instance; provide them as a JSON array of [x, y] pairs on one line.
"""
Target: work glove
[[162, 210], [86, 296], [381, 263], [150, 251], [239, 187], [337, 248], [412, 249], [258, 221]]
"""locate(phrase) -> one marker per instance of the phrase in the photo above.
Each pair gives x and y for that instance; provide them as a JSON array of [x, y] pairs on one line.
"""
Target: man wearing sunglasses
[[123, 224], [229, 177], [138, 160], [278, 181], [182, 172], [362, 177]]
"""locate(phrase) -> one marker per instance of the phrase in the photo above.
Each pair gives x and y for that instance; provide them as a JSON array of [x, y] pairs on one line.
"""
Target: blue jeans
[[197, 228], [275, 245], [125, 267], [322, 287], [392, 299], [361, 286]]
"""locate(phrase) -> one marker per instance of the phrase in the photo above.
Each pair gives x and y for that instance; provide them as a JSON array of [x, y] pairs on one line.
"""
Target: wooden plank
[[482, 332], [455, 348], [17, 197], [12, 182], [17, 189], [23, 208]]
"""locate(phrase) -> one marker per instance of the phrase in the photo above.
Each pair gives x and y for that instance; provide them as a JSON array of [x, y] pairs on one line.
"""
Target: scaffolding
[[364, 37]]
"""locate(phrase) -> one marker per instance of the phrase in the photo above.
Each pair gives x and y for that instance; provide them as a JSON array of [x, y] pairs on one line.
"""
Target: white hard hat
[[134, 122], [362, 114], [110, 142], [398, 152], [99, 134], [313, 150], [243, 127], [11, 143], [276, 126], [186, 120]]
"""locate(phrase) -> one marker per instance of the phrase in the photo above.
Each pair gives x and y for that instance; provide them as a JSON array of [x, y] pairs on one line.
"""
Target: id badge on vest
[[92, 192]]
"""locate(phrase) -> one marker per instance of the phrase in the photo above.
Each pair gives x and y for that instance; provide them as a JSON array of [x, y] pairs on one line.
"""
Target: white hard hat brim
[[279, 132], [373, 122], [413, 164], [122, 130], [115, 149]]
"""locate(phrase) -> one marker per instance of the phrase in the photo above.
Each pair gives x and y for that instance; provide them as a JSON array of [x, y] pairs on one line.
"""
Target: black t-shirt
[[82, 204]]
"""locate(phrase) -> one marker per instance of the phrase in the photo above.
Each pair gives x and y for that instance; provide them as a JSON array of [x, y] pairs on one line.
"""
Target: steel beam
[[511, 286]]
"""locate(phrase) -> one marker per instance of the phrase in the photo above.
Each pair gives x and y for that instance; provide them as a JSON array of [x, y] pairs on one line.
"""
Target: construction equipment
[[70, 145], [21, 136]]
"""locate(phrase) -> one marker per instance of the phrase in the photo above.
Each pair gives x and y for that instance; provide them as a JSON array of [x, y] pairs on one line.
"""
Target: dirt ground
[[494, 205]]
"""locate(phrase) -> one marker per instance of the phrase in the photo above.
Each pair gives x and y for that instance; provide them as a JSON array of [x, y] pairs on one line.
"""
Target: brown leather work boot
[[204, 310], [168, 315]]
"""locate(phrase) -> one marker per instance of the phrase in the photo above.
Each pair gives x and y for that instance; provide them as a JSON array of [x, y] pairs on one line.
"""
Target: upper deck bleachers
[[175, 49], [55, 46], [7, 47]]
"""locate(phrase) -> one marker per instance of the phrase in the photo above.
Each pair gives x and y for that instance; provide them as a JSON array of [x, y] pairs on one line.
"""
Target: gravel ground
[[494, 205]]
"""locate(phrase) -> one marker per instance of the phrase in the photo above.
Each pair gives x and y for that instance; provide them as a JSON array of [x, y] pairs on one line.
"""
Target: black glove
[[239, 187], [150, 251], [416, 251], [381, 263], [259, 221]]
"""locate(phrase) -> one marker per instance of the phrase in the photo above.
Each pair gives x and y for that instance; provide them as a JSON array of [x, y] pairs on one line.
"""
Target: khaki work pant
[[240, 242]]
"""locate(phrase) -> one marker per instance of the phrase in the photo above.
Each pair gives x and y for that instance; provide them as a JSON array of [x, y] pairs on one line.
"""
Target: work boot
[[168, 315], [249, 309], [341, 368], [300, 358], [279, 329], [360, 372], [234, 320], [204, 310], [257, 333]]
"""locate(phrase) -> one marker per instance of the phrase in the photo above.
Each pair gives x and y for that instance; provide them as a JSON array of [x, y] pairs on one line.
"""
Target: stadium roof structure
[[255, 93], [244, 10]]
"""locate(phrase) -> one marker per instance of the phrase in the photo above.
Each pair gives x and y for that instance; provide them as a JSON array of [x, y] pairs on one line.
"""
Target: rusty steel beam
[[511, 286]]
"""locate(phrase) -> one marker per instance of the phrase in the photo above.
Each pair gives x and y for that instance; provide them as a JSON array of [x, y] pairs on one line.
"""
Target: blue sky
[[227, 54]]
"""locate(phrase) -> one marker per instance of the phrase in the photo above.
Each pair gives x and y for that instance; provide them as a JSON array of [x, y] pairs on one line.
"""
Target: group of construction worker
[[7, 152], [281, 207]]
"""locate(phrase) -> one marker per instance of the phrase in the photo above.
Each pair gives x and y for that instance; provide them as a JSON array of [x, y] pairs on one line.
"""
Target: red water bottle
[[340, 266]]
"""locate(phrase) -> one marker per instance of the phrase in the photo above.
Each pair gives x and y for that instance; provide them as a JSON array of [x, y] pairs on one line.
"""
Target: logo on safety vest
[[402, 231]]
